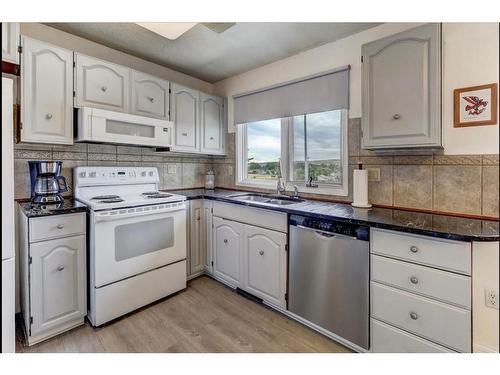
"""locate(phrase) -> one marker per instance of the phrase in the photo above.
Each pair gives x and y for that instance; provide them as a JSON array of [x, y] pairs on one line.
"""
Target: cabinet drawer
[[436, 321], [445, 254], [44, 228], [388, 339], [445, 286], [101, 84]]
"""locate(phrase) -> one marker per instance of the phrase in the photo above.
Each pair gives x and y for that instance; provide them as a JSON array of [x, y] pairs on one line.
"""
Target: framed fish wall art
[[475, 106]]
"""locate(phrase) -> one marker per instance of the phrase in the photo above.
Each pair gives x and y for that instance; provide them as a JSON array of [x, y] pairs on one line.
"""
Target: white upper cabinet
[[212, 124], [10, 41], [149, 96], [184, 112], [264, 264], [101, 84], [47, 93], [402, 90]]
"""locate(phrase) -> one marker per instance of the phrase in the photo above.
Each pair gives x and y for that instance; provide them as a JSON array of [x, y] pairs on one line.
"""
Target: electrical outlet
[[373, 174], [171, 169], [491, 297]]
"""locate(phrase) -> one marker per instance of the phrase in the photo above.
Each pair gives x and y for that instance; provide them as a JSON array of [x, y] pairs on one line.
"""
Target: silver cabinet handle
[[413, 315], [396, 116], [48, 116], [413, 249], [225, 240], [184, 134], [261, 252], [60, 226], [414, 280], [151, 99], [60, 268], [104, 88]]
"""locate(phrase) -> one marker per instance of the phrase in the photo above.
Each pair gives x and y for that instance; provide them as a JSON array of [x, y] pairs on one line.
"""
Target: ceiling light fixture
[[169, 30]]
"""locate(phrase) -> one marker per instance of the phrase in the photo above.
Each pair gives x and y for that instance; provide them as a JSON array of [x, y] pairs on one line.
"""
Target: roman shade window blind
[[323, 92]]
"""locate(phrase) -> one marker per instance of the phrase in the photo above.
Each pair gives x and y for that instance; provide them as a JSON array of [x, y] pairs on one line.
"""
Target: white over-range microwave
[[99, 125]]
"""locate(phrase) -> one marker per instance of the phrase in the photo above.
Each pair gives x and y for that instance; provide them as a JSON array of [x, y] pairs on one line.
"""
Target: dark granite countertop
[[442, 226], [68, 206]]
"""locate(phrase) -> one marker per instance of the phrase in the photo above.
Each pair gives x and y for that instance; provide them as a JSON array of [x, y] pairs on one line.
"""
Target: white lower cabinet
[[196, 238], [251, 258], [57, 282], [263, 264], [53, 277], [227, 240], [417, 304]]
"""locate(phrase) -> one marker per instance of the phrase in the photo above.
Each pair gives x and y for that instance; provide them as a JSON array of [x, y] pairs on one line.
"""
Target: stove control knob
[[151, 174], [83, 174], [143, 174], [92, 174]]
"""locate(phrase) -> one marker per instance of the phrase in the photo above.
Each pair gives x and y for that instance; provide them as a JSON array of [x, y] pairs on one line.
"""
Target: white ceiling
[[207, 55]]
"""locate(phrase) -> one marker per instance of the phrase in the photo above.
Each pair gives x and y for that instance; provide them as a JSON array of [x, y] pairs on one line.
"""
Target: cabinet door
[[226, 245], [100, 84], [197, 241], [207, 221], [184, 112], [264, 264], [57, 279], [212, 124], [149, 96], [47, 93], [402, 90], [10, 40]]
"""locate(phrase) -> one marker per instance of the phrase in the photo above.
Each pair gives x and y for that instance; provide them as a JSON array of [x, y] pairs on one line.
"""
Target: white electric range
[[137, 239]]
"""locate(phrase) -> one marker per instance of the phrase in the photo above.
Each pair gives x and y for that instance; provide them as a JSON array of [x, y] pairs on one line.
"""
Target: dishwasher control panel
[[360, 232]]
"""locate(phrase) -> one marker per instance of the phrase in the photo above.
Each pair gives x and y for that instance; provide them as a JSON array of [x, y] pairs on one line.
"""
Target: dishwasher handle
[[323, 233]]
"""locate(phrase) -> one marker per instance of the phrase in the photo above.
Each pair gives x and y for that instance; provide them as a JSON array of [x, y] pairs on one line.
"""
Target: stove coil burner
[[100, 197], [156, 194], [111, 200]]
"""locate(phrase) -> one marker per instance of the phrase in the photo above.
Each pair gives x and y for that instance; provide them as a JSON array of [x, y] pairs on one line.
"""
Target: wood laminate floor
[[205, 318]]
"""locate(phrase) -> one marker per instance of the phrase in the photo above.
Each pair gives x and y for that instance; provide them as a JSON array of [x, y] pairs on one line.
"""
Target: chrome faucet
[[295, 191], [280, 184]]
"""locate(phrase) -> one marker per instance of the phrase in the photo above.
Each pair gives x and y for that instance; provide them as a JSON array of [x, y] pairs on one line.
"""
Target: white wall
[[77, 44], [470, 57], [484, 276]]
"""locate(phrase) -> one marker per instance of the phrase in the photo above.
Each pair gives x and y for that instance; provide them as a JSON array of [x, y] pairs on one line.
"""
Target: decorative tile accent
[[65, 155], [413, 159], [103, 157], [152, 158], [413, 186], [101, 148], [32, 155], [101, 163], [128, 150], [76, 147], [457, 188], [32, 146], [128, 157], [490, 191], [457, 159], [371, 160], [490, 159]]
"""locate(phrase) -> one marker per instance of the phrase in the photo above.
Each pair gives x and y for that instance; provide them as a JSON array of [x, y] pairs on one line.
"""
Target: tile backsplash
[[417, 178], [189, 170]]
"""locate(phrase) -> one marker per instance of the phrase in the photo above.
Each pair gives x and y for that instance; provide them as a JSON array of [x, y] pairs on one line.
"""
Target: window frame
[[287, 160]]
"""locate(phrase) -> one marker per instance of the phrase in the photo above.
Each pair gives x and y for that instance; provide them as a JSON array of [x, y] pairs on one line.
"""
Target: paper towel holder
[[358, 205]]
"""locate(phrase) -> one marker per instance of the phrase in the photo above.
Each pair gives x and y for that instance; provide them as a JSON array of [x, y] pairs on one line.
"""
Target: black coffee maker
[[47, 183]]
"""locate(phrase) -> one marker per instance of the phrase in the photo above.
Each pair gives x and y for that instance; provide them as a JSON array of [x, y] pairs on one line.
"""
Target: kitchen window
[[312, 147]]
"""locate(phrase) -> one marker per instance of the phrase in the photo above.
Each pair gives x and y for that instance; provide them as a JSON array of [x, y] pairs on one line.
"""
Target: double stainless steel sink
[[267, 199]]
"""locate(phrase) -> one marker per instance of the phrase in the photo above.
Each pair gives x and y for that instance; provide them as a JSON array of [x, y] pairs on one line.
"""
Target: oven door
[[127, 242]]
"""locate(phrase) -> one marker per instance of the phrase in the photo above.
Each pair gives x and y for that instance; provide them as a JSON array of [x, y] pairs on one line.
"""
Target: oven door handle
[[126, 214]]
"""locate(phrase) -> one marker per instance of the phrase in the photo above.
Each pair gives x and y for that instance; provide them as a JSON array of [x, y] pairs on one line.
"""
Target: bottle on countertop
[[210, 180]]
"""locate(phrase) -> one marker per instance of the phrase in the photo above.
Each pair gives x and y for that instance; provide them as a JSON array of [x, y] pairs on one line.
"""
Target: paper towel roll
[[360, 189]]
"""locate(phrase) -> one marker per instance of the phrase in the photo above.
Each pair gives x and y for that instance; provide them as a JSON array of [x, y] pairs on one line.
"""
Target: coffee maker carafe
[[47, 183]]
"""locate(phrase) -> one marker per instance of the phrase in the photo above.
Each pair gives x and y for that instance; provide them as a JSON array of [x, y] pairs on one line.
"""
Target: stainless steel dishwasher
[[329, 276]]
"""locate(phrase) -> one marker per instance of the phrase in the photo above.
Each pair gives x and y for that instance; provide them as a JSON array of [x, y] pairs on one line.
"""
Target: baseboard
[[478, 348]]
